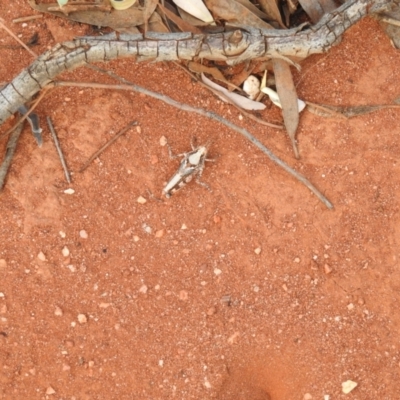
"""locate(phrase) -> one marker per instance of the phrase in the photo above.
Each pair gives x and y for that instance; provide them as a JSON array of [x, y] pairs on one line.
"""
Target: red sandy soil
[[173, 301]]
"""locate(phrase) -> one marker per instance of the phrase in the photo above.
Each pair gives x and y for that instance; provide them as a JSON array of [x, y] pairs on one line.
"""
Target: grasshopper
[[191, 165]]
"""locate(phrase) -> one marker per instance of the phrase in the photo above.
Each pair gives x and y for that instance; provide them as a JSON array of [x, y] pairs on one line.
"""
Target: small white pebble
[[71, 267], [24, 24], [157, 287], [307, 396], [256, 289], [73, 324], [50, 390], [207, 384], [252, 86], [141, 200], [69, 191], [183, 226], [65, 251], [350, 306], [257, 250], [83, 234], [143, 289], [58, 312], [348, 386], [326, 396], [1, 294], [161, 363], [82, 318], [62, 234], [136, 238], [217, 271], [163, 141], [240, 117], [3, 263], [296, 260], [41, 256]]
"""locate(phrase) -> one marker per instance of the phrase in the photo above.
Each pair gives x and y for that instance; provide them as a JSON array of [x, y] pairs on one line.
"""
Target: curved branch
[[239, 46]]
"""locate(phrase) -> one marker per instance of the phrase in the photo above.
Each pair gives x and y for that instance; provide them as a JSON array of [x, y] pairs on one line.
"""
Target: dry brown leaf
[[288, 98], [328, 5], [250, 6], [149, 8], [189, 18], [203, 69], [179, 22], [232, 11], [115, 19], [313, 9], [270, 7], [156, 24]]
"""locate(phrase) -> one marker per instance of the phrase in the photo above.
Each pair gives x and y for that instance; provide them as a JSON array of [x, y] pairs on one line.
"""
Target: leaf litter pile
[[250, 86]]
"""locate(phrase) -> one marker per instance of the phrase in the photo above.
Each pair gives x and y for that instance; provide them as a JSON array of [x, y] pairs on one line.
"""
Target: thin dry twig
[[28, 18], [109, 143], [10, 149], [26, 115], [209, 114], [2, 25], [59, 151]]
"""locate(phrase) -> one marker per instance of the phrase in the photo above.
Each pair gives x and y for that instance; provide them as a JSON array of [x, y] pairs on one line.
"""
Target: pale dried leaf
[[270, 7], [288, 99], [313, 9], [195, 8], [237, 99], [234, 12]]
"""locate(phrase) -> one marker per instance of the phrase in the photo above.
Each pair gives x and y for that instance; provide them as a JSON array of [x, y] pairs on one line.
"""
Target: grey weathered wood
[[254, 43]]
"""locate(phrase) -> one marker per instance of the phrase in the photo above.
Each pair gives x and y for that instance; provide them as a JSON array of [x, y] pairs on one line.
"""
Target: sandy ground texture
[[251, 290]]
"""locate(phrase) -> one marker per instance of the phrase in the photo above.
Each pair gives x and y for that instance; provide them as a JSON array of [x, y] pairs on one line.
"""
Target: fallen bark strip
[[233, 47]]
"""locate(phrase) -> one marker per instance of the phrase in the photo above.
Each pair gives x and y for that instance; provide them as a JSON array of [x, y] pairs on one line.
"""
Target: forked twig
[[109, 143], [10, 149], [186, 107], [59, 151]]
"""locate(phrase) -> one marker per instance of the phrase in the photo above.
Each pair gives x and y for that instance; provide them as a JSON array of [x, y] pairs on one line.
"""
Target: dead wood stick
[[209, 114], [10, 149], [109, 143], [59, 151], [26, 115], [28, 18], [16, 38]]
